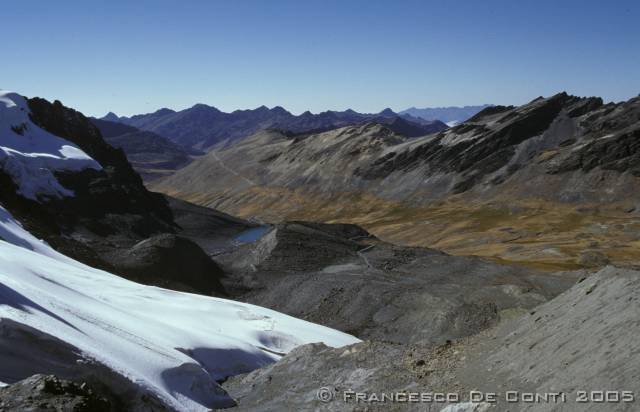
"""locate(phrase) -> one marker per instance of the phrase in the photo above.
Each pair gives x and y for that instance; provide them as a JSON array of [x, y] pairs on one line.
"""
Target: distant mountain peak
[[279, 110], [111, 116], [164, 111], [204, 107], [387, 112]]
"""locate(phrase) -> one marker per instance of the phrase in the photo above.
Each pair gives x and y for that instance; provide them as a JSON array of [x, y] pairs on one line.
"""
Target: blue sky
[[137, 56]]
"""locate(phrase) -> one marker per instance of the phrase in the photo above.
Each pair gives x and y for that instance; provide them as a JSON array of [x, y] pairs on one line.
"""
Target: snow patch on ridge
[[30, 154], [172, 344]]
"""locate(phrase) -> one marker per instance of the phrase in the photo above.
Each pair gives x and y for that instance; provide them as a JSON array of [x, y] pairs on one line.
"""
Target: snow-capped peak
[[30, 154]]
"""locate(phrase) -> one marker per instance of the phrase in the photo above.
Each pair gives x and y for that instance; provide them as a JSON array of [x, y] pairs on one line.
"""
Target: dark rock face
[[300, 246], [75, 127], [115, 189], [612, 141], [111, 211], [172, 262], [620, 153], [490, 148], [105, 201], [342, 230], [47, 393]]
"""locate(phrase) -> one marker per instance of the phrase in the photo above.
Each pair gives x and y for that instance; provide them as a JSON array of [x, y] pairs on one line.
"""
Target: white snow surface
[[170, 343], [29, 154]]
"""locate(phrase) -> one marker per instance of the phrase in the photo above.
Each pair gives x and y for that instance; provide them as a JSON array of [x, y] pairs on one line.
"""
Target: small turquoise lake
[[252, 235]]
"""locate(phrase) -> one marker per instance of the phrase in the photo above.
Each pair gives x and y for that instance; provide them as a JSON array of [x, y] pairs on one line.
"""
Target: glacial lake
[[252, 235]]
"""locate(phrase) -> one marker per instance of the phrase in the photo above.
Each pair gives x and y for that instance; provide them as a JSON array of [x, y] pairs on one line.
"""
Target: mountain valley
[[550, 184], [379, 261]]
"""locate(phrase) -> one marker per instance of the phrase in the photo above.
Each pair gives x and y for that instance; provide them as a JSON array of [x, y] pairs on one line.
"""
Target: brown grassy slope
[[544, 234]]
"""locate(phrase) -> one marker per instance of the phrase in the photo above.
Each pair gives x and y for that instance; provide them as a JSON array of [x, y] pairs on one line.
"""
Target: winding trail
[[365, 259], [227, 168]]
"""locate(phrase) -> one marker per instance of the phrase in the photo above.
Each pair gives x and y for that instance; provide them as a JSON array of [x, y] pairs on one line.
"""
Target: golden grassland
[[538, 233]]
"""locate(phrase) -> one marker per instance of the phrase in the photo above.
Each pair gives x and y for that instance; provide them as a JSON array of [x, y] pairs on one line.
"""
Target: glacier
[[172, 344]]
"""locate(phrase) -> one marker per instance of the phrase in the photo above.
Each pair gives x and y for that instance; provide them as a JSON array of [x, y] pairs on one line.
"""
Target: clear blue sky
[[137, 56]]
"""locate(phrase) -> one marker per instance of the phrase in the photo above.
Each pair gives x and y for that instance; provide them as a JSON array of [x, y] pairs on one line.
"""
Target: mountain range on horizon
[[442, 113], [202, 126], [451, 115]]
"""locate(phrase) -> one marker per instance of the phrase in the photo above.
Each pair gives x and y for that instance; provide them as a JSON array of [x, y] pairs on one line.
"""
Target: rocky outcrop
[[172, 262], [117, 189], [342, 277], [47, 393], [485, 143], [306, 246], [612, 136]]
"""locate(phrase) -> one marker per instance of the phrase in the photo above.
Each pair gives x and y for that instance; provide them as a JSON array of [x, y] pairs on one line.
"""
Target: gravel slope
[[584, 339]]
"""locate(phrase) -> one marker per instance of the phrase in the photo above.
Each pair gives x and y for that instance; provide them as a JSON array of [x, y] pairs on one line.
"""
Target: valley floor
[[537, 233]]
